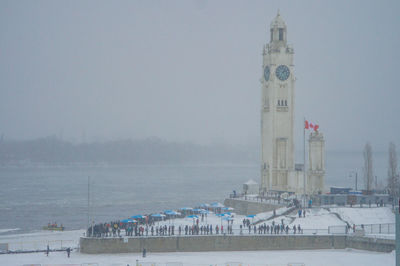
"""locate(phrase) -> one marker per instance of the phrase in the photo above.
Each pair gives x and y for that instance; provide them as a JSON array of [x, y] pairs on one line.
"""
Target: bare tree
[[368, 173], [393, 177]]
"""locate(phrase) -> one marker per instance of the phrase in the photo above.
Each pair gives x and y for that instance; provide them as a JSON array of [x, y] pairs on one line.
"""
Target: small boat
[[53, 227]]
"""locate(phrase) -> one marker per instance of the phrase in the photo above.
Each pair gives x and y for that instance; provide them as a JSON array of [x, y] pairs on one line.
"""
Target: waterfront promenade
[[231, 243]]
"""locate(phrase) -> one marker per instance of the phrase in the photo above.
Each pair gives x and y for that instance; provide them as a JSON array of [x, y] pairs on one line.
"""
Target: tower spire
[[278, 31]]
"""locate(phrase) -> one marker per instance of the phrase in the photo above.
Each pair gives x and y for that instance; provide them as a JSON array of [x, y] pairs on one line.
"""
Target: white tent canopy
[[250, 187]]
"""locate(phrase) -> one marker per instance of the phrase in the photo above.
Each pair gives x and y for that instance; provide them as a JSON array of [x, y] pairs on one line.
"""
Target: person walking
[[47, 250], [68, 251], [144, 253]]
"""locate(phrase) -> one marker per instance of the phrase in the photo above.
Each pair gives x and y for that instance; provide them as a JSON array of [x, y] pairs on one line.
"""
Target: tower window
[[279, 102], [281, 34], [272, 35], [285, 102]]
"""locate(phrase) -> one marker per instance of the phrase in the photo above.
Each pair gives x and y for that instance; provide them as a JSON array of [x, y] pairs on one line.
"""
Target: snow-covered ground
[[377, 215], [276, 258], [382, 236], [40, 239], [319, 219], [2, 231], [316, 218], [268, 215]]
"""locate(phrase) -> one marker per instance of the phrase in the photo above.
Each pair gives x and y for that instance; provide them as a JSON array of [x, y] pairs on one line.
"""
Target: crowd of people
[[269, 229], [119, 229]]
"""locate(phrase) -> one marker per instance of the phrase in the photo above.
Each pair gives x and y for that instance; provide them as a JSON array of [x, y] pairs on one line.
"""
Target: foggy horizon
[[190, 71]]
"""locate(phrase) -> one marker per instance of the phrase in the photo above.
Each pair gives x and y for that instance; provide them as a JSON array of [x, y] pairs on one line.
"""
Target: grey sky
[[190, 70]]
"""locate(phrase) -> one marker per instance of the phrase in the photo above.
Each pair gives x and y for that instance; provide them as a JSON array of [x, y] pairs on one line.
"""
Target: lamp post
[[354, 172]]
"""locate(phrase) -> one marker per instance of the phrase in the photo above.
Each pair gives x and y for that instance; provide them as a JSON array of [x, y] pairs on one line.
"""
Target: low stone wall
[[210, 243], [371, 244], [245, 207]]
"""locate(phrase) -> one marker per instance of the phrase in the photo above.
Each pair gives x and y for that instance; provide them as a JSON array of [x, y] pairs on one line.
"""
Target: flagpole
[[304, 160], [88, 204]]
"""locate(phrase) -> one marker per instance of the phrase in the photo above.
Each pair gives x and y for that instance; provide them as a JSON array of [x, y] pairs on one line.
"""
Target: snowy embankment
[[358, 216], [317, 219], [2, 231], [40, 239], [276, 258], [263, 216], [323, 218]]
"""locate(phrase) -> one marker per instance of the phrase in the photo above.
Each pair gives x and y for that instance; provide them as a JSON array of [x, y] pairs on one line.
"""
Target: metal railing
[[388, 228], [41, 245]]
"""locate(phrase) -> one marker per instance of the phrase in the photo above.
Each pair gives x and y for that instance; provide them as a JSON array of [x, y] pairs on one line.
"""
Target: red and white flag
[[310, 125]]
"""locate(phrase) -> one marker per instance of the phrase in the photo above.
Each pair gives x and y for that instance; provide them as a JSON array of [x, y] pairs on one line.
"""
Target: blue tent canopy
[[138, 217], [228, 218], [192, 216], [217, 205], [172, 213], [186, 209], [128, 221], [157, 215], [251, 215], [227, 209]]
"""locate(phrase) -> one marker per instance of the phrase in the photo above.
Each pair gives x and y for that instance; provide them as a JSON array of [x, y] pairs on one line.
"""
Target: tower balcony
[[282, 108]]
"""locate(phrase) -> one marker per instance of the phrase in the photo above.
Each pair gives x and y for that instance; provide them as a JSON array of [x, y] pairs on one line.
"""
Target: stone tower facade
[[316, 165], [277, 112]]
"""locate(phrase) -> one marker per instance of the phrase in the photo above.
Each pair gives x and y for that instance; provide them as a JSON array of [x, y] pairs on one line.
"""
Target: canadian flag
[[309, 125]]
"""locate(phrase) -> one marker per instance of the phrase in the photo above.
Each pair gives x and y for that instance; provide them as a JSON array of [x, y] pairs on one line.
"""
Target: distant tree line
[[393, 176], [52, 150], [393, 180]]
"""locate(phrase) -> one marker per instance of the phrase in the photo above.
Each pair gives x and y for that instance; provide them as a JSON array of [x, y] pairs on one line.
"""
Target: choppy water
[[30, 197]]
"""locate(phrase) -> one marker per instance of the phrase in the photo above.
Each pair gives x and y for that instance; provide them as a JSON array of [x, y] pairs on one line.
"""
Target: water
[[30, 197]]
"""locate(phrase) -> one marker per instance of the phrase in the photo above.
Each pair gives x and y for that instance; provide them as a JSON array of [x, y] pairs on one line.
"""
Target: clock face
[[266, 73], [282, 72]]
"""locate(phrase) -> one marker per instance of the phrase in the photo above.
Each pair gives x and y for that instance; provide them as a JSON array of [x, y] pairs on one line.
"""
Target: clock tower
[[277, 111]]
